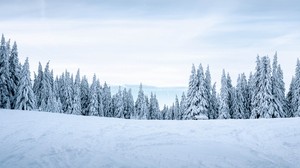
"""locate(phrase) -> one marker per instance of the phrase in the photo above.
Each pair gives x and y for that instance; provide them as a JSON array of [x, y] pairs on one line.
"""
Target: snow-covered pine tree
[[38, 86], [4, 76], [208, 91], [289, 98], [118, 104], [296, 92], [67, 92], [278, 89], [141, 108], [76, 105], [93, 104], [84, 94], [239, 100], [263, 102], [224, 107], [191, 99], [182, 106], [164, 112], [230, 95], [99, 96], [14, 71], [107, 101], [129, 104], [25, 97], [176, 109], [214, 105]]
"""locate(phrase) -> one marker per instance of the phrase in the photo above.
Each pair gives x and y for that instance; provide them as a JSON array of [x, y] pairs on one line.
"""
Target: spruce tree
[[263, 100], [15, 76], [224, 112], [4, 76], [93, 97], [76, 105], [84, 94], [25, 96]]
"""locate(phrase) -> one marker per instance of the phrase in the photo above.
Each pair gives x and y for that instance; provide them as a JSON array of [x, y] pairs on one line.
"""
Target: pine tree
[[263, 102], [129, 104], [176, 109], [93, 105], [214, 107], [84, 93], [224, 112], [191, 99], [26, 98], [14, 71], [289, 98], [230, 95], [38, 86], [182, 106], [296, 92], [141, 108], [99, 96], [4, 76], [239, 107], [67, 92], [278, 89], [208, 93], [119, 105], [76, 105], [153, 108], [107, 101]]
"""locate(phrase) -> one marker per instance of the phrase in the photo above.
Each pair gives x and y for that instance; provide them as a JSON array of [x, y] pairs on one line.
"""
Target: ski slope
[[40, 139]]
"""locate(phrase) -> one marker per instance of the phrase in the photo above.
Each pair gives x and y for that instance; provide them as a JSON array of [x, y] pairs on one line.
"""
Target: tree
[[93, 105], [182, 106], [214, 107], [76, 105], [278, 89], [263, 106], [4, 76], [84, 94], [191, 95], [26, 98], [289, 98], [224, 106], [15, 76], [119, 105], [38, 86], [107, 101], [141, 108]]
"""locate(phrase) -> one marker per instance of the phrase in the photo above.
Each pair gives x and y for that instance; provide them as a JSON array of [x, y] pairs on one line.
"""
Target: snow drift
[[38, 139]]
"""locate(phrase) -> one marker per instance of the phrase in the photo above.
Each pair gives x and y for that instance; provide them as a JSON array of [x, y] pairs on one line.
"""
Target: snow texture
[[38, 139]]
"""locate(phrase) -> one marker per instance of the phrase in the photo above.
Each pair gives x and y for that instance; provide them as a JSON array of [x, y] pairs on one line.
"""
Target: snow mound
[[39, 139]]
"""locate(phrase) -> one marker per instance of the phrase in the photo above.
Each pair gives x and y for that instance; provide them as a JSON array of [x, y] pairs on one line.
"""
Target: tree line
[[261, 95]]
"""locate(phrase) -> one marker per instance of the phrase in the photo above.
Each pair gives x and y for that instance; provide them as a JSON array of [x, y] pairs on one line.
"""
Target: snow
[[40, 139]]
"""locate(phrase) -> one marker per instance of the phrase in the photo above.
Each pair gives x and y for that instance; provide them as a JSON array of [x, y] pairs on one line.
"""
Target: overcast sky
[[153, 41]]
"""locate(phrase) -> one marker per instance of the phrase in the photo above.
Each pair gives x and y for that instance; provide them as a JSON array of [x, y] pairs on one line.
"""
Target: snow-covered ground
[[39, 139]]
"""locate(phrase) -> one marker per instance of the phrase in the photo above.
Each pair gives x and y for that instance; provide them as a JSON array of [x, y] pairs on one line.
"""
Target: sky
[[153, 41]]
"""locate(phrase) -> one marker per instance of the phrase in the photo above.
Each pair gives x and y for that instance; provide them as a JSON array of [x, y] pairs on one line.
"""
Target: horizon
[[153, 42]]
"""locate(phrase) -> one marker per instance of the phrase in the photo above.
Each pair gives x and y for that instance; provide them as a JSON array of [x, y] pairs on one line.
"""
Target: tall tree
[[263, 102], [26, 98], [76, 105], [15, 76], [93, 105], [107, 101], [191, 95], [224, 106], [141, 108], [4, 76], [84, 94]]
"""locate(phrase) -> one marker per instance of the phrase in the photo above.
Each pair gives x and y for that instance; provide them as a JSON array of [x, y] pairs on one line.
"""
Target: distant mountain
[[165, 95]]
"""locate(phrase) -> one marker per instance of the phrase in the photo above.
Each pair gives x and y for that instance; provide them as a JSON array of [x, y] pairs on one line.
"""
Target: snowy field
[[39, 139]]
